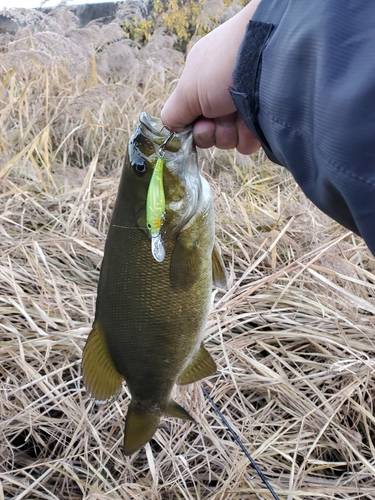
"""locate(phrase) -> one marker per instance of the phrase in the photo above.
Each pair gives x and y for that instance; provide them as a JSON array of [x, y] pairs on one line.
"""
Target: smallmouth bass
[[150, 316]]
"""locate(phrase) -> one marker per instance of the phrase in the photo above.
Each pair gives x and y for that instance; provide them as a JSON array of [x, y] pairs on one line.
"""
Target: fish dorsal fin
[[102, 380], [185, 264], [201, 366], [141, 424], [219, 274], [173, 409]]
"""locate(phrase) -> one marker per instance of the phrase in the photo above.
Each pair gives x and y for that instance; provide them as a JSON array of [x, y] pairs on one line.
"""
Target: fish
[[151, 313]]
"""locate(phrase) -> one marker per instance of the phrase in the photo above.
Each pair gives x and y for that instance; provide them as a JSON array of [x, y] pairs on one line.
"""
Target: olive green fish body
[[150, 316], [141, 314]]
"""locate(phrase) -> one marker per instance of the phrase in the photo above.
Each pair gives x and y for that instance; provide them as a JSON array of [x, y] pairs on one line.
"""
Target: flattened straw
[[240, 444]]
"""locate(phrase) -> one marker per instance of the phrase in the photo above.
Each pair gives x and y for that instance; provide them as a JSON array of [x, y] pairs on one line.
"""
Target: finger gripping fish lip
[[153, 128]]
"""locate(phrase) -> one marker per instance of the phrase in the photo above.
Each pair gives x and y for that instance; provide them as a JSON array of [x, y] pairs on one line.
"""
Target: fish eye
[[139, 166]]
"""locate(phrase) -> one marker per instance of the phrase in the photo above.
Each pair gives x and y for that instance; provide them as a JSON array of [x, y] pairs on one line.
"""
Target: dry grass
[[293, 336]]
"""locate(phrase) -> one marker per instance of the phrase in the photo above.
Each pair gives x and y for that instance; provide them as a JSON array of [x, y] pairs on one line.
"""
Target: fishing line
[[240, 444], [129, 227]]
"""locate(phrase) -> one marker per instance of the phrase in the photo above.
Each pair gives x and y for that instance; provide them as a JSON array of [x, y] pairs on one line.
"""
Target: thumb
[[182, 108]]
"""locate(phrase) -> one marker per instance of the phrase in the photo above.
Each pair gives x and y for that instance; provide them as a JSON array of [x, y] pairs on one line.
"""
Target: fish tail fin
[[141, 424], [102, 380]]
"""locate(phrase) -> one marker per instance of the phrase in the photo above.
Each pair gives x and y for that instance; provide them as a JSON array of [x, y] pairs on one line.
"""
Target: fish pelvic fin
[[102, 380], [141, 424], [202, 365], [219, 274]]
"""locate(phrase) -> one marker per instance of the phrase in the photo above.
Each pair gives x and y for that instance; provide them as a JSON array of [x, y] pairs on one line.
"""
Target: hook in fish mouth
[[163, 146], [154, 125], [161, 135]]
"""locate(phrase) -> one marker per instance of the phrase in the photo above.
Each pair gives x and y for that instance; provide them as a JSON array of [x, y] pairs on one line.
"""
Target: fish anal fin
[[175, 410], [102, 380], [185, 264], [141, 424], [201, 366], [219, 275]]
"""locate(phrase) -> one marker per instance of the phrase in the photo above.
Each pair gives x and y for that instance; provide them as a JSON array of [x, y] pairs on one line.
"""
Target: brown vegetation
[[293, 335], [184, 20]]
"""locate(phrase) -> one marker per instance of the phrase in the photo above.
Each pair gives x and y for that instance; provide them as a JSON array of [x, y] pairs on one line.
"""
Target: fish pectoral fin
[[185, 264], [219, 274], [201, 366], [102, 380], [141, 424], [177, 411]]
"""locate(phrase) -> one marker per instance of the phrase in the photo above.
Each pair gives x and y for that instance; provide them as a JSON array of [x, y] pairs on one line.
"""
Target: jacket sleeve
[[304, 84]]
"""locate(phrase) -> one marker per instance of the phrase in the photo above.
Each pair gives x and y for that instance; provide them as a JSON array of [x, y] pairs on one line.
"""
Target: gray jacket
[[304, 84]]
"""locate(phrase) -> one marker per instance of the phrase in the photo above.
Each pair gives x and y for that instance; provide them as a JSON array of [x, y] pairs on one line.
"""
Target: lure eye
[[139, 167]]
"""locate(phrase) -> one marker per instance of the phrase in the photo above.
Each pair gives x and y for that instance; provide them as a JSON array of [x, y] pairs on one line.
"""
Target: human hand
[[202, 94]]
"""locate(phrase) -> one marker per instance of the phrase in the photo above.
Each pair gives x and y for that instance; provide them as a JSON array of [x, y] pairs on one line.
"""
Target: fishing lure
[[155, 204], [155, 209]]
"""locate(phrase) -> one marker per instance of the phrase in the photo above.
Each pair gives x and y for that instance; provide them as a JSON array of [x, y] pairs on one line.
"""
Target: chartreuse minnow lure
[[155, 209], [155, 204]]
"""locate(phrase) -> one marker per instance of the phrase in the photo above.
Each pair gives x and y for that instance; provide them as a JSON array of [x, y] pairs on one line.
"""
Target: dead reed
[[293, 335]]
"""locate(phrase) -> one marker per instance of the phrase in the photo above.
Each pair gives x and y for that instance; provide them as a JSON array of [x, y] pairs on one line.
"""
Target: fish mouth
[[179, 153], [153, 128]]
